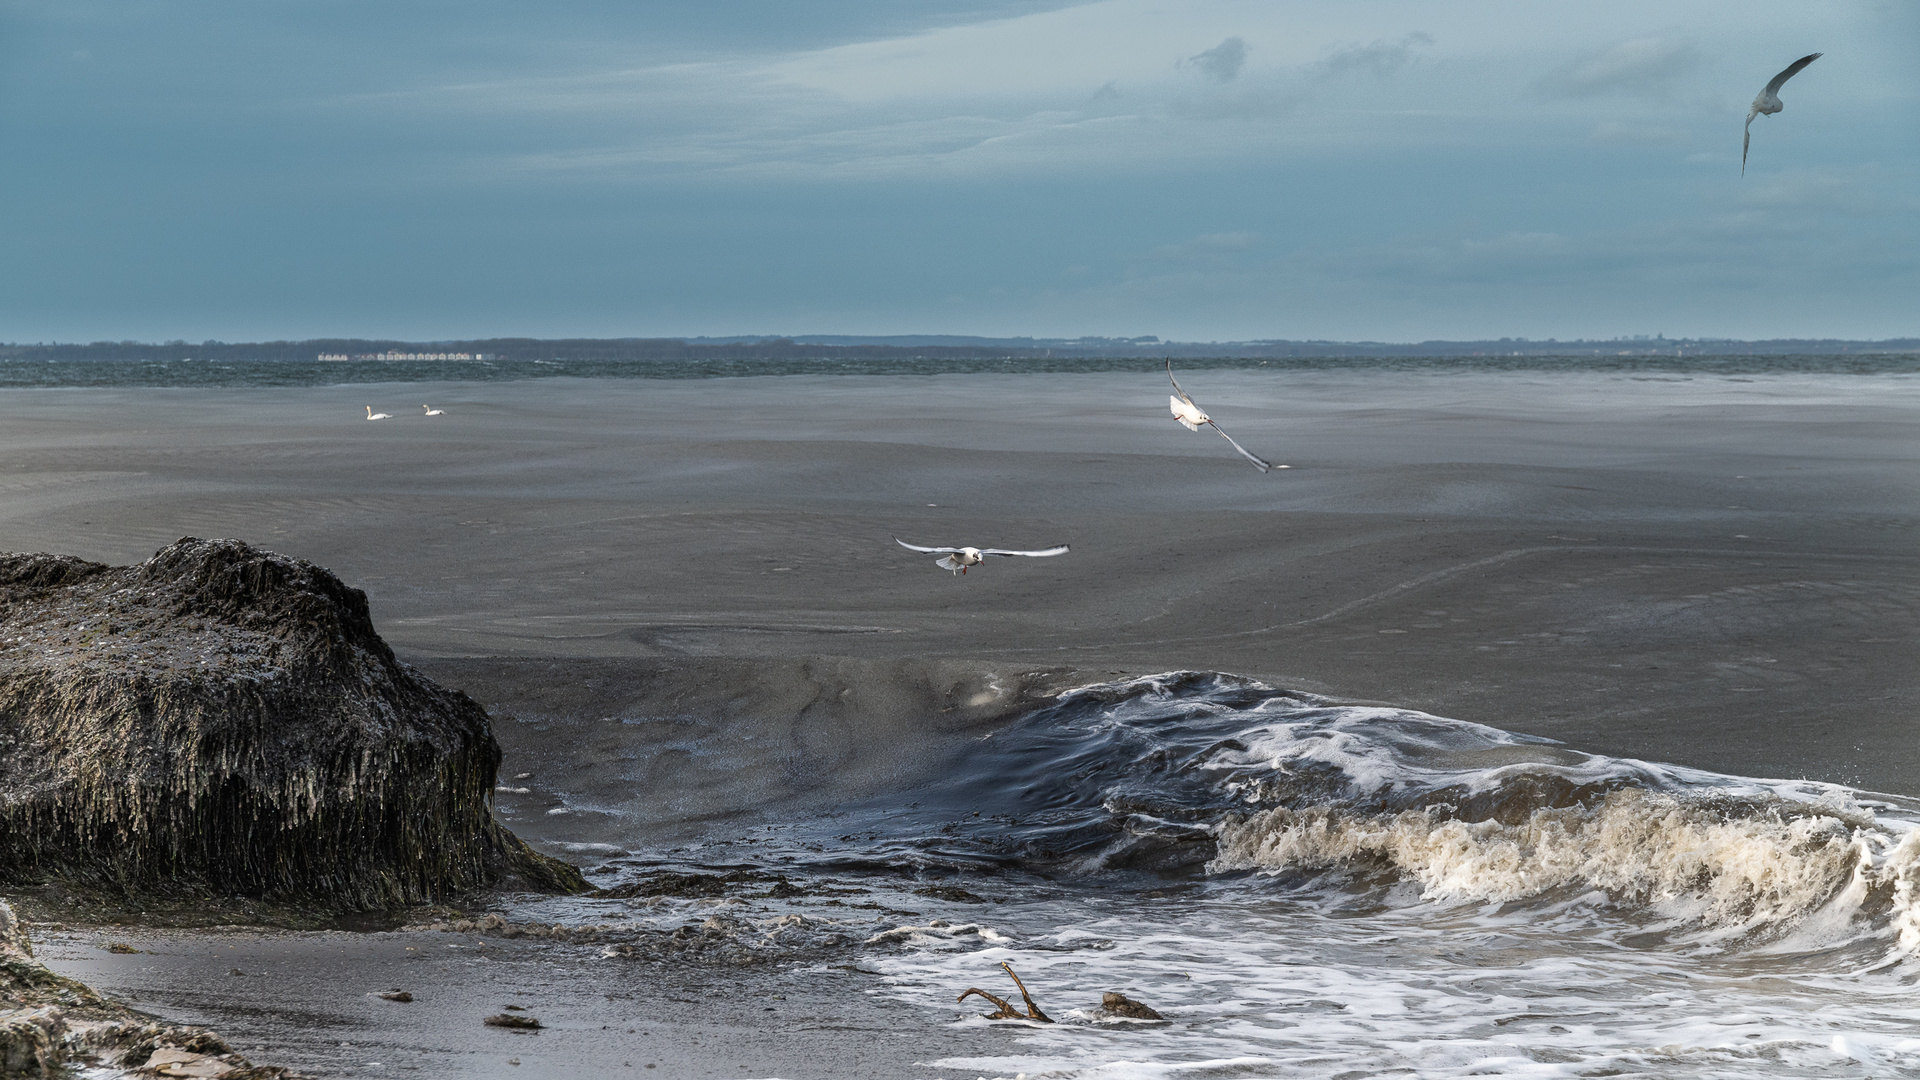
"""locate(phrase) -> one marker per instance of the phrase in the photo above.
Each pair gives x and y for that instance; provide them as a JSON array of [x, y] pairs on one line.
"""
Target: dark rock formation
[[224, 720]]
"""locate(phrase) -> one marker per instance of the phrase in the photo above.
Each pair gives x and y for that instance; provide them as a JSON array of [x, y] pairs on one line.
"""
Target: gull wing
[[1061, 550], [1263, 466], [1792, 70], [1176, 384], [1746, 141], [928, 550]]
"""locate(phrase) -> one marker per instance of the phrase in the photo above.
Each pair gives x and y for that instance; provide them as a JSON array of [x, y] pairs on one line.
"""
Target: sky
[[1210, 170]]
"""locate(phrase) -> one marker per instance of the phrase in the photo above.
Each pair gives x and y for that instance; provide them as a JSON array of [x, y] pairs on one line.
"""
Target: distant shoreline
[[50, 372], [925, 348]]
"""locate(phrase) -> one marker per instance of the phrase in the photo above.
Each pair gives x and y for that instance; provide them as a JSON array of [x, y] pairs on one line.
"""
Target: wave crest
[[1689, 858]]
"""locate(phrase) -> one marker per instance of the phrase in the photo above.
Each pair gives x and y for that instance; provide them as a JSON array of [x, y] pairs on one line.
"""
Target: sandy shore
[[1718, 572]]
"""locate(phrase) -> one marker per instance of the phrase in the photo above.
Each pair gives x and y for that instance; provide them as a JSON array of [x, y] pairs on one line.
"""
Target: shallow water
[[1310, 889]]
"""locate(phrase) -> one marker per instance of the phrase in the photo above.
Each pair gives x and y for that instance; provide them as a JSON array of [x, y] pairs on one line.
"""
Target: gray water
[[1302, 888]]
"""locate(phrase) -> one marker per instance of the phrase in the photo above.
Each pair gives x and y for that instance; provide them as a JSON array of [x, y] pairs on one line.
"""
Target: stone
[[32, 1042], [243, 732], [1117, 1004]]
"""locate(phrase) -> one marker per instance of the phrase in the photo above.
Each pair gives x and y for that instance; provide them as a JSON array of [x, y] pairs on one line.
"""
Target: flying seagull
[[1769, 102], [957, 559], [371, 415], [1189, 415]]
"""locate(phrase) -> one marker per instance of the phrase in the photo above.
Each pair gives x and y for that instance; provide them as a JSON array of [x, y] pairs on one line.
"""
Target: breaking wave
[[1207, 775]]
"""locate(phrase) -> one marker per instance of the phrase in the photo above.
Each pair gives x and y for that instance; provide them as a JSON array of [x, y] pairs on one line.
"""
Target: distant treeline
[[644, 350]]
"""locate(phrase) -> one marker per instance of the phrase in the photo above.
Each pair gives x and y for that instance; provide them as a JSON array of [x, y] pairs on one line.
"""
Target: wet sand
[[307, 1001], [1718, 572]]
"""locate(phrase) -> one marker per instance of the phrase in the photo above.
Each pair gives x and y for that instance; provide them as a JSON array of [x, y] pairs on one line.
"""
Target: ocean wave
[[1203, 774], [1689, 858]]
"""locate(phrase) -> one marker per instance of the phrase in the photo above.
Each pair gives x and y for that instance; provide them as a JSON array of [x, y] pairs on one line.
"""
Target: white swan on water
[[957, 559], [1190, 417], [431, 411], [371, 415]]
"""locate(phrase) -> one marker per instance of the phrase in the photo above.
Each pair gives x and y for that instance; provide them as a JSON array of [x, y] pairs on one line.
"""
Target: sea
[[1298, 887]]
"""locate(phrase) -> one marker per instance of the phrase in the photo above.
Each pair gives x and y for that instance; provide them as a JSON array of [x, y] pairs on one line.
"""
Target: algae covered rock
[[223, 719]]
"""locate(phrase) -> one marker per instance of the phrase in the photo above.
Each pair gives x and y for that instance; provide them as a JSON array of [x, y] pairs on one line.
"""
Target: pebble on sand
[[507, 1020]]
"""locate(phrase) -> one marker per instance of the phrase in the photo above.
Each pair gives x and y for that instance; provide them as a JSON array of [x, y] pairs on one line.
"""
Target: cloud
[[1223, 62], [1380, 58], [1864, 192], [1207, 246], [1615, 133], [1243, 103], [1640, 67]]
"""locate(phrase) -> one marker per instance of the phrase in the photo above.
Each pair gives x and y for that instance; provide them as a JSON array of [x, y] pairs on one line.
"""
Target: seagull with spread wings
[[1769, 102], [1190, 416], [957, 559]]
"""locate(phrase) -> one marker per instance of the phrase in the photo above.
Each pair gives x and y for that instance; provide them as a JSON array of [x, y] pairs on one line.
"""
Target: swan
[[1190, 417], [957, 559], [431, 411], [371, 415]]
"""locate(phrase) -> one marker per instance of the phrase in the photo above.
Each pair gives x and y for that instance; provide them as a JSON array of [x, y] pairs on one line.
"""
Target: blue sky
[[1207, 170]]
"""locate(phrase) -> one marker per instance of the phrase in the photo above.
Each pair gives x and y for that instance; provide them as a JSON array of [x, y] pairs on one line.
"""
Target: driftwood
[[1006, 1010]]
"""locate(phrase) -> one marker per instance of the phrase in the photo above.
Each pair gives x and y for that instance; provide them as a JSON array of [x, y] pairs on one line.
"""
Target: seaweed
[[222, 720]]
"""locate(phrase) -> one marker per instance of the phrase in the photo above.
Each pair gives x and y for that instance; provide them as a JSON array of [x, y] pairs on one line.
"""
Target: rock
[[25, 984], [32, 1042], [397, 995], [13, 936], [1115, 1004], [47, 1020], [244, 731], [121, 947], [172, 1062], [505, 1020]]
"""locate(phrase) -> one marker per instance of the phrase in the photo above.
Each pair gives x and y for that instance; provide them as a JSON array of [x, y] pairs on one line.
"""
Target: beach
[[1713, 572]]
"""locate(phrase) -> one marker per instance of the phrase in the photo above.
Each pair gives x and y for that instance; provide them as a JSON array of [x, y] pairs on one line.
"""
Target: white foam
[[1254, 987], [1730, 872]]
